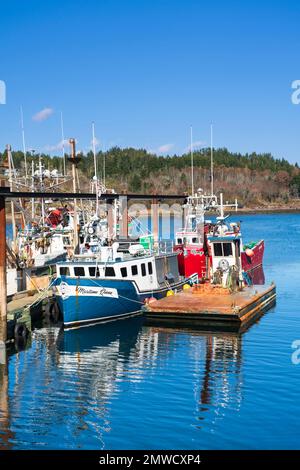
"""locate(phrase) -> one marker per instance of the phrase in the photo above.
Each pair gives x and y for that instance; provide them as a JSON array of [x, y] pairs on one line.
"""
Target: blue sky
[[145, 71]]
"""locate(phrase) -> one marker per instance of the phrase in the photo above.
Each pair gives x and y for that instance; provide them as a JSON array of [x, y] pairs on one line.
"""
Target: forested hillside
[[252, 178]]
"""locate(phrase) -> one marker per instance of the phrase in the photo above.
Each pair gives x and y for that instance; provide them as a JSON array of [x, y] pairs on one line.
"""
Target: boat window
[[79, 271], [134, 270], [218, 249], [143, 267], [222, 249], [195, 240], [66, 241], [64, 271], [92, 271], [179, 241], [124, 272], [172, 268], [109, 271], [150, 268], [227, 249]]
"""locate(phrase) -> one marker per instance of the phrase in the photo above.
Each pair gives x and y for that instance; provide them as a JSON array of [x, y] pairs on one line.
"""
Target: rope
[[43, 294], [122, 296]]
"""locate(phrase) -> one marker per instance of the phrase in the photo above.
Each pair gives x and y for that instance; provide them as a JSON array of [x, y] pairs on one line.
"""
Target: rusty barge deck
[[212, 307]]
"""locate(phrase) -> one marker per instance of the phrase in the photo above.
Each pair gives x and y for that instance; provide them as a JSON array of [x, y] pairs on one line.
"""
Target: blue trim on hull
[[76, 308], [80, 310]]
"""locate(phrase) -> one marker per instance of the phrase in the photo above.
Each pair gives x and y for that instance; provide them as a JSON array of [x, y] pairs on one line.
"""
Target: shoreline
[[240, 211]]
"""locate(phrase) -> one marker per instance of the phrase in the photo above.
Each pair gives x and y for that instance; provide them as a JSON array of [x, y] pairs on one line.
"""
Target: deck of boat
[[211, 306]]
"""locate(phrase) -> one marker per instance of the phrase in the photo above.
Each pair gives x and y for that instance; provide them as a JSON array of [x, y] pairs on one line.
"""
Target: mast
[[32, 188], [94, 149], [8, 147], [23, 141], [42, 188], [103, 166], [192, 161], [211, 161], [95, 165], [63, 142], [221, 206], [74, 160]]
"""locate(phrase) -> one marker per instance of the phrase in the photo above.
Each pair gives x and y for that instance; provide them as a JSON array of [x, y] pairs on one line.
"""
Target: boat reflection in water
[[130, 355], [108, 386], [5, 432]]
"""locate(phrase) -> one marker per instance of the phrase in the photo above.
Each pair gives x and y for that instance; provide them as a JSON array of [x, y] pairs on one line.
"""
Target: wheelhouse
[[225, 252]]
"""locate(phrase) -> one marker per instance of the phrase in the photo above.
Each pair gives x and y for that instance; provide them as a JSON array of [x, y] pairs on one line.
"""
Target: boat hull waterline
[[98, 300]]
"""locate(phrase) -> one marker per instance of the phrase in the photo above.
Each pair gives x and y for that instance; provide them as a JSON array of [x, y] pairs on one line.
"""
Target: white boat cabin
[[149, 272]]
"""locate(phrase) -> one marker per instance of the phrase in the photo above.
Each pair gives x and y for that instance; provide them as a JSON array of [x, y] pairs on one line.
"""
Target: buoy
[[249, 252], [169, 293], [186, 286]]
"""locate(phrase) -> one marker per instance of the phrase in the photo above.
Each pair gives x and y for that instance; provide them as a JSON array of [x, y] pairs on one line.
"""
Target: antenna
[[94, 149], [211, 161], [192, 161], [63, 141], [23, 140]]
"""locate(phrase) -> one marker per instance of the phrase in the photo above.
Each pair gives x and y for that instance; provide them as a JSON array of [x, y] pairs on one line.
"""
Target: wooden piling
[[3, 282]]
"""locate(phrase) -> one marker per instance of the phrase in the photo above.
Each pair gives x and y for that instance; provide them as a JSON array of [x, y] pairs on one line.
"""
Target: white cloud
[[58, 146], [162, 149], [196, 145], [165, 148], [43, 114]]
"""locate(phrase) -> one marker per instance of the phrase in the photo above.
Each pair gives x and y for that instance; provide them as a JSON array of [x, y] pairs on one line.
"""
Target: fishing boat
[[114, 283], [201, 243]]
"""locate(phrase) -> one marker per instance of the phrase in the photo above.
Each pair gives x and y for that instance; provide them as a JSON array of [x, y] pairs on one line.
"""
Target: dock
[[25, 309], [211, 307]]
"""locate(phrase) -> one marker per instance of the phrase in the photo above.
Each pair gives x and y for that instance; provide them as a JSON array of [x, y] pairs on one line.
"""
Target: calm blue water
[[126, 385]]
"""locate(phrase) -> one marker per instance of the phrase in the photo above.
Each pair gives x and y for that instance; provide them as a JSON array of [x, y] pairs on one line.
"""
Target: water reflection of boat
[[81, 378], [5, 432], [217, 367], [91, 338]]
